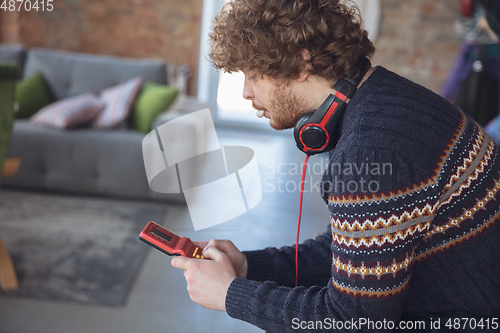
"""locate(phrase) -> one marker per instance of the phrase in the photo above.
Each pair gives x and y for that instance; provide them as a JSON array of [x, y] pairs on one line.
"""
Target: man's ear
[[302, 77], [304, 74], [306, 54]]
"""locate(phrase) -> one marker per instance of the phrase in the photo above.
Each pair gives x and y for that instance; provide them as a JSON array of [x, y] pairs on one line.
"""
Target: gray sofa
[[85, 161]]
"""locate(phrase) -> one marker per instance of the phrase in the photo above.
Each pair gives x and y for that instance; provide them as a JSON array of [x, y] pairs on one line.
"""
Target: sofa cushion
[[151, 101], [118, 101], [32, 94], [89, 161], [70, 74], [70, 112]]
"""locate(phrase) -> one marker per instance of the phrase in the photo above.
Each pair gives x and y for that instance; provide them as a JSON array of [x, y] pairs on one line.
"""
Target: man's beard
[[286, 107]]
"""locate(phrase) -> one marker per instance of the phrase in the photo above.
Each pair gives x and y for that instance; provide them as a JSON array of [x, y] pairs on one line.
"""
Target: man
[[418, 247]]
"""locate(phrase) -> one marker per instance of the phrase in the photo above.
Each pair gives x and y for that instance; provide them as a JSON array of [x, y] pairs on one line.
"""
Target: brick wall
[[416, 37], [166, 29], [9, 27]]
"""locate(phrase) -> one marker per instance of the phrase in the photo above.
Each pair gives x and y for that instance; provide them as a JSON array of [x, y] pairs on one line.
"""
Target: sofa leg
[[8, 278]]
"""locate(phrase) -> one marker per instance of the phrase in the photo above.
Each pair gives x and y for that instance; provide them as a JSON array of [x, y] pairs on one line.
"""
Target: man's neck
[[316, 89], [367, 75]]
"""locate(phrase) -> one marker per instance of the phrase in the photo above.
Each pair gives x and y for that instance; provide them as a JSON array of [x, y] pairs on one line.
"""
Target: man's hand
[[208, 280], [237, 258]]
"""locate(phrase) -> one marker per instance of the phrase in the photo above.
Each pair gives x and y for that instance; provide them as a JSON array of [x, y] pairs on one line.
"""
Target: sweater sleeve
[[375, 231], [278, 265]]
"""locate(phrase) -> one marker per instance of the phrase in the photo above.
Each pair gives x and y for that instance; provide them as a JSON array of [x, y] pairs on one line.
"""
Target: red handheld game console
[[168, 242]]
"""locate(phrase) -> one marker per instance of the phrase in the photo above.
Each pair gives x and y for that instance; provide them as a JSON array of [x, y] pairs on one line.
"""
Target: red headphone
[[314, 132]]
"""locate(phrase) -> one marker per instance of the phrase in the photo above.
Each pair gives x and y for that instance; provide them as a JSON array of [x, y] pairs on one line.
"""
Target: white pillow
[[70, 112], [119, 101]]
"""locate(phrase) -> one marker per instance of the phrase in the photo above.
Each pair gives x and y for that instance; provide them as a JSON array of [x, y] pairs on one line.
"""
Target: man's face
[[277, 99]]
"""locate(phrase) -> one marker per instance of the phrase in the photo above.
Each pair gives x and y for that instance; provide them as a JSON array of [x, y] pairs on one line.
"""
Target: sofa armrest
[[178, 76], [16, 52], [183, 105]]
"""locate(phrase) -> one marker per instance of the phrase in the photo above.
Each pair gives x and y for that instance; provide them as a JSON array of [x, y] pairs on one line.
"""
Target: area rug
[[71, 248]]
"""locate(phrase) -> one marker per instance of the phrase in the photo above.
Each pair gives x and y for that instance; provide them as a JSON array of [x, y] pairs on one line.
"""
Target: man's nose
[[247, 92]]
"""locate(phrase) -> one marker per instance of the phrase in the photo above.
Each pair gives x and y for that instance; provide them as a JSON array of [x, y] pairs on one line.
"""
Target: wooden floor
[[159, 301]]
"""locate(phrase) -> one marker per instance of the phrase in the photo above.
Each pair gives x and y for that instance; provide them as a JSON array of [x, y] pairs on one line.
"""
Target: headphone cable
[[298, 224]]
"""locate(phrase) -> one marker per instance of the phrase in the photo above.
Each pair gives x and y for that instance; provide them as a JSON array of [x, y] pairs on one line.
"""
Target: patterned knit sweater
[[412, 188]]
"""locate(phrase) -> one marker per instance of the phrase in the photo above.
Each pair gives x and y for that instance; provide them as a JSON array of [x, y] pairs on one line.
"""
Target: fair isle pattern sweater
[[423, 241]]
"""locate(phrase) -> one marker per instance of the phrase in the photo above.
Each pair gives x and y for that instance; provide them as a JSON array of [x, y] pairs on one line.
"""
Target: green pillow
[[32, 94], [8, 71], [150, 102]]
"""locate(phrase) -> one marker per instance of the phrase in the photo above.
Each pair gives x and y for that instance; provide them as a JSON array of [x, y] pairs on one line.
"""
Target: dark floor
[[159, 301]]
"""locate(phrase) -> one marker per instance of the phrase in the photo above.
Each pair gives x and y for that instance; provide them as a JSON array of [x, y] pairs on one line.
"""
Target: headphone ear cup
[[302, 121], [309, 135], [298, 126]]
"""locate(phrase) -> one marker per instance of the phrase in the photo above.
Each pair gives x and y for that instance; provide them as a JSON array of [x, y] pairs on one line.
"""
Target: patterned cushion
[[119, 101], [70, 112]]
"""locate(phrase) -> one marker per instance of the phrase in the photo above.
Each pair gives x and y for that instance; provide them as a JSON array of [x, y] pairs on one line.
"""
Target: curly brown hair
[[268, 36]]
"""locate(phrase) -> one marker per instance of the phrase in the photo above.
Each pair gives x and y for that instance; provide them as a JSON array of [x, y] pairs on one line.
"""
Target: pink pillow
[[119, 101], [70, 112]]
